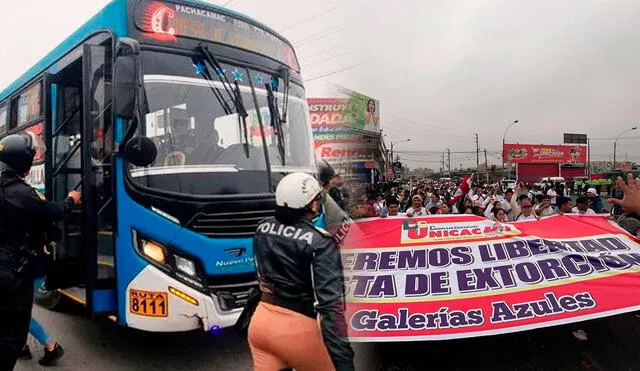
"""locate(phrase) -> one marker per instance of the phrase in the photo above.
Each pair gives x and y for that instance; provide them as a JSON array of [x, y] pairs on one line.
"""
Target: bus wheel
[[52, 300]]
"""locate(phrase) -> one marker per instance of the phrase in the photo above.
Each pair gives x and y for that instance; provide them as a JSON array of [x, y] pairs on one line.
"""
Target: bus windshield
[[204, 148]]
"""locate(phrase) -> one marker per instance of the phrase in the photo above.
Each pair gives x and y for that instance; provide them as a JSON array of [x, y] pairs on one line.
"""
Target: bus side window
[[3, 119]]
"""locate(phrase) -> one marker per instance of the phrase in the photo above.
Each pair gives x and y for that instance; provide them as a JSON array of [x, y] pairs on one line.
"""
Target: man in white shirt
[[582, 207], [545, 208], [552, 194], [527, 211]]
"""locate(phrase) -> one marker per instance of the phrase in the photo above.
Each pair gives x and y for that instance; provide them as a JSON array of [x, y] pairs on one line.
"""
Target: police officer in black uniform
[[25, 219], [301, 280]]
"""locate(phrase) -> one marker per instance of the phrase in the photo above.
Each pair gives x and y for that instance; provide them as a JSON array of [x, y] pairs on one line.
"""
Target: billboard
[[361, 112], [332, 135], [575, 138], [544, 154]]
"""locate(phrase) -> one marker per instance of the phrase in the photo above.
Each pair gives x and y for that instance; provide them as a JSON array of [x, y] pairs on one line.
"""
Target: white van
[[552, 180]]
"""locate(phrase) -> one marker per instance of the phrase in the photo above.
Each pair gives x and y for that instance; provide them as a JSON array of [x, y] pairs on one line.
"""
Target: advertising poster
[[540, 154], [458, 276], [362, 112], [36, 174]]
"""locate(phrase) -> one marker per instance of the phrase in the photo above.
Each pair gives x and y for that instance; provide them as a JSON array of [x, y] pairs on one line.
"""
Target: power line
[[296, 24], [328, 58], [327, 50], [334, 72], [321, 35], [428, 125], [227, 3]]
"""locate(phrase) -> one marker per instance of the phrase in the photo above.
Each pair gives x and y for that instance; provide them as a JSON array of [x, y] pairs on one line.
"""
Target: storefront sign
[[534, 153]]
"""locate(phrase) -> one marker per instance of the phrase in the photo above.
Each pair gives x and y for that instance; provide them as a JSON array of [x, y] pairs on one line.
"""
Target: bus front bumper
[[185, 308]]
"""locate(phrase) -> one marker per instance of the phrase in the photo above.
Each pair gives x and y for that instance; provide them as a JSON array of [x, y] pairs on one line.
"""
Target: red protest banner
[[539, 153], [445, 277]]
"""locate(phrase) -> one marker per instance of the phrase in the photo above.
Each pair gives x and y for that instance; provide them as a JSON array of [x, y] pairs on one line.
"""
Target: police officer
[[25, 218], [301, 279], [331, 216]]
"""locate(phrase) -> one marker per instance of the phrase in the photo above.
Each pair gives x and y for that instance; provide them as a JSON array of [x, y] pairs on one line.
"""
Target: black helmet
[[16, 153], [325, 172]]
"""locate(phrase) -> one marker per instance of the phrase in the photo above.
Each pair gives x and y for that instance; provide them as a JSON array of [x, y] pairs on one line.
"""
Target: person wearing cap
[[527, 212], [596, 203], [416, 208]]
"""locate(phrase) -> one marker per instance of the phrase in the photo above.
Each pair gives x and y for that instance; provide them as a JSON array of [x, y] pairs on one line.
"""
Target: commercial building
[[346, 132]]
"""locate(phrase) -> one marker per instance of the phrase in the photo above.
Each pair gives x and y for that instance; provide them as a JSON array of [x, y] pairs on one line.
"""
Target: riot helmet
[[16, 153]]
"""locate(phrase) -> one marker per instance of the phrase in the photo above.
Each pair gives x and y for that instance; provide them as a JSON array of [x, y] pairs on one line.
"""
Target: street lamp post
[[615, 144], [402, 141], [505, 135], [503, 142]]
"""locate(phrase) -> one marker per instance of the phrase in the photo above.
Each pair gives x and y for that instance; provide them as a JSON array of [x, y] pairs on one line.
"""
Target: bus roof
[[112, 17]]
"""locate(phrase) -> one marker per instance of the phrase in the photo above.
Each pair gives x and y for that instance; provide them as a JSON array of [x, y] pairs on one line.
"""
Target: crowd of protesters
[[469, 196]]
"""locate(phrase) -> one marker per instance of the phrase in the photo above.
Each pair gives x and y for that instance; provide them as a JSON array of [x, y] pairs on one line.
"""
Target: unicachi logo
[[414, 231]]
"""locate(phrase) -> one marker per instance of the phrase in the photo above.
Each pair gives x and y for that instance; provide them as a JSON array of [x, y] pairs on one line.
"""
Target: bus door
[[79, 150]]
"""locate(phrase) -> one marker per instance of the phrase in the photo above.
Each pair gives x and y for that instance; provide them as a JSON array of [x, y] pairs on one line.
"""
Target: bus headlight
[[153, 251], [174, 262], [185, 265]]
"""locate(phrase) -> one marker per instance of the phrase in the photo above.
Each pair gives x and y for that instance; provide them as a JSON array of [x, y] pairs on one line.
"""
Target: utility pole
[[449, 162], [486, 164], [443, 166], [477, 154]]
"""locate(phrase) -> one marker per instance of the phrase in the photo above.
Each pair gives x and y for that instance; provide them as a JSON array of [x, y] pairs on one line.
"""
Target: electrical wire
[[321, 35], [327, 59], [334, 72], [227, 3], [298, 23]]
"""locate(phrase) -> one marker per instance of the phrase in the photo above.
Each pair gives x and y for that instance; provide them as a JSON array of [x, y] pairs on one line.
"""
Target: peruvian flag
[[463, 190]]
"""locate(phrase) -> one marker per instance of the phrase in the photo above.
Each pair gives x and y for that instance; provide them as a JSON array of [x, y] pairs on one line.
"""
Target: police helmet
[[297, 190], [326, 172], [16, 153]]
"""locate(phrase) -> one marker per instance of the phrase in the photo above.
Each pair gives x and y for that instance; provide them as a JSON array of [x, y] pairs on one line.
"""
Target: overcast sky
[[442, 70]]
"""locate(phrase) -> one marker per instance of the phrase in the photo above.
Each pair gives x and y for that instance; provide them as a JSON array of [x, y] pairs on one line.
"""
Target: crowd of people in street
[[476, 197]]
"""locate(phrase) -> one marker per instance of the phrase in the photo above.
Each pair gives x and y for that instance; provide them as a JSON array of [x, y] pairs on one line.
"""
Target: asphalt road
[[100, 344], [612, 344]]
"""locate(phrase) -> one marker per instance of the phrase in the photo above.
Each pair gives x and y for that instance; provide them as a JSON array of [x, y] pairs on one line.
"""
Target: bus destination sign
[[165, 22]]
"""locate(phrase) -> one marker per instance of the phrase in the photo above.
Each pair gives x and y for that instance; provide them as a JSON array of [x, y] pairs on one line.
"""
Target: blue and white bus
[[176, 119]]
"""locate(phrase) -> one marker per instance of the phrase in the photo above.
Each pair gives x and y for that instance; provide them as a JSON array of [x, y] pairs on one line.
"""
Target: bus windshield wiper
[[276, 120], [234, 94]]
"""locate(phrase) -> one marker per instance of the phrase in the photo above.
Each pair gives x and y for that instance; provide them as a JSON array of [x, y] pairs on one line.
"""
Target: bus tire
[[52, 300]]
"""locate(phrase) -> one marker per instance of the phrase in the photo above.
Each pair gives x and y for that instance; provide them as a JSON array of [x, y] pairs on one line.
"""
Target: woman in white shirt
[[416, 208]]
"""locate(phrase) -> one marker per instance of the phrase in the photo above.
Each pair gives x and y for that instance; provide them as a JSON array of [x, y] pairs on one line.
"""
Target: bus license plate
[[148, 303]]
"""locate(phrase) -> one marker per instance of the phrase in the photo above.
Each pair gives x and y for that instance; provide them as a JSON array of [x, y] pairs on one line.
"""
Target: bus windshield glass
[[204, 147]]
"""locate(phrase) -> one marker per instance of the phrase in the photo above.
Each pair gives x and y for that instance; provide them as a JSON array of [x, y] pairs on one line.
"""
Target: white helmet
[[297, 190]]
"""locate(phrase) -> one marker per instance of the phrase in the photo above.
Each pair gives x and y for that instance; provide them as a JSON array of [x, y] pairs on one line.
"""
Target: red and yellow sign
[[406, 279], [540, 154]]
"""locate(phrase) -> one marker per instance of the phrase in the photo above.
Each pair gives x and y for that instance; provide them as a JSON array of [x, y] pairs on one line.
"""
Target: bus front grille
[[238, 224], [232, 291]]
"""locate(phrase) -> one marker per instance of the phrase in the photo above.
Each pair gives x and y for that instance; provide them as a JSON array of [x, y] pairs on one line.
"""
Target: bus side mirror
[[126, 78], [140, 151]]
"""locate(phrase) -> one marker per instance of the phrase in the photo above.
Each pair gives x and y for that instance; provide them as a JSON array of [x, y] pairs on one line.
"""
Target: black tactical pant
[[15, 315]]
